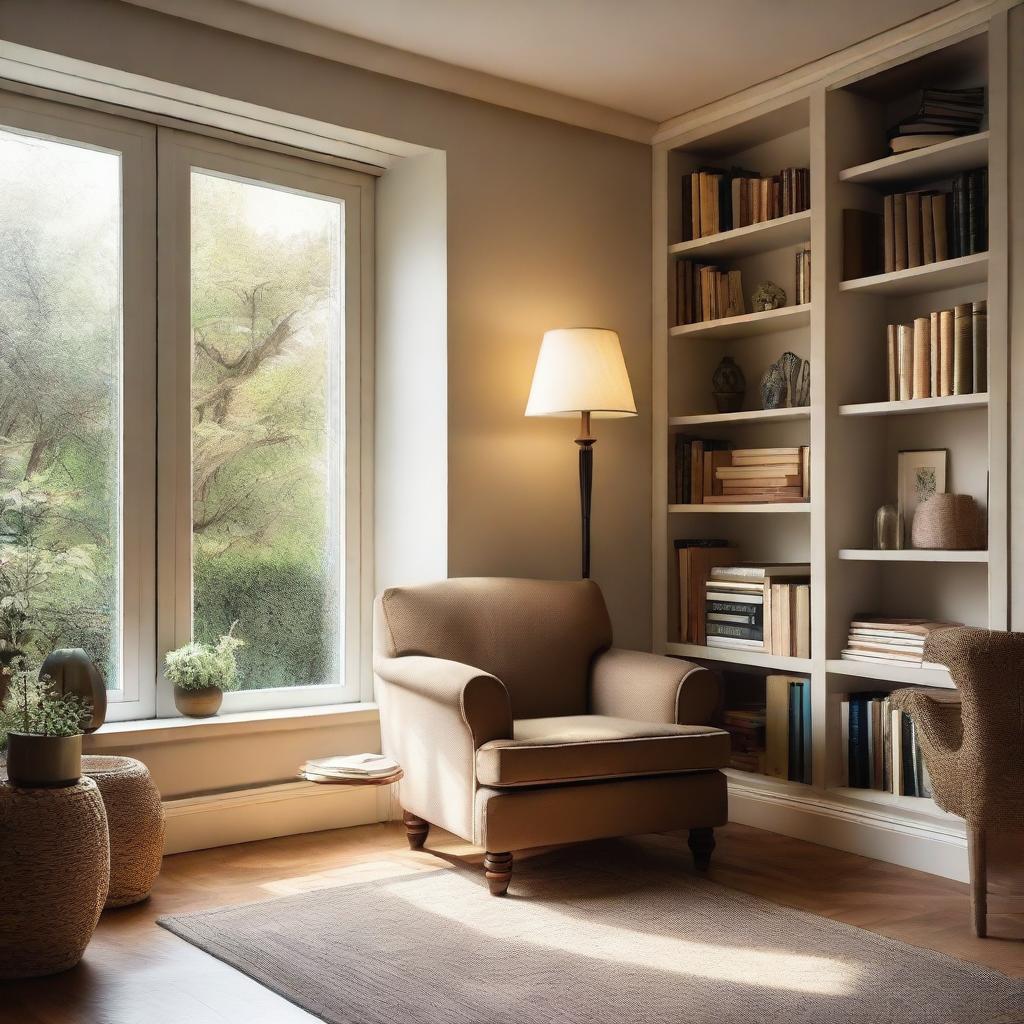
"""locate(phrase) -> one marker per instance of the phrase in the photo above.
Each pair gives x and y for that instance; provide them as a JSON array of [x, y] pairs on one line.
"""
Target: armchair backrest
[[538, 637], [987, 667]]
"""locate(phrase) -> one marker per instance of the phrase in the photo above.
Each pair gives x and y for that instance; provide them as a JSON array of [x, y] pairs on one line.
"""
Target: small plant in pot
[[201, 673], [42, 730]]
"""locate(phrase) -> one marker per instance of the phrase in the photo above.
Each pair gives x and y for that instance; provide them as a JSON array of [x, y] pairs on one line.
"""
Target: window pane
[[267, 427], [60, 388]]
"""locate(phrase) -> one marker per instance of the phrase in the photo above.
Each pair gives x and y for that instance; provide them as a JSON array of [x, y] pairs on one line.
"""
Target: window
[[140, 508]]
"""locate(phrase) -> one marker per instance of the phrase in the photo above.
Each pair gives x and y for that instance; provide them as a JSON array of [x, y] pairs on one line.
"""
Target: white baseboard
[[266, 812], [933, 847]]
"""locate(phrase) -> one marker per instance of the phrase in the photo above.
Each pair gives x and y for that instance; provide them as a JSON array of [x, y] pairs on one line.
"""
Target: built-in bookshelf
[[836, 127]]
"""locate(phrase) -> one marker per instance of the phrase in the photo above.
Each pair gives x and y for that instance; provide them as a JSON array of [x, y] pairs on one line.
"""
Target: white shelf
[[929, 278], [748, 241], [763, 508], [787, 318], [949, 403], [741, 657], [739, 418], [894, 673], [922, 165], [910, 555]]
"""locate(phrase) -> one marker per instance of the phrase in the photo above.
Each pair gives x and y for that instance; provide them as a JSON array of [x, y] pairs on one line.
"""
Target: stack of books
[[352, 768], [746, 729], [942, 114], [882, 748], [944, 353], [919, 228], [876, 638], [788, 728], [704, 292], [756, 607], [715, 199], [803, 275], [762, 475], [696, 460], [696, 558]]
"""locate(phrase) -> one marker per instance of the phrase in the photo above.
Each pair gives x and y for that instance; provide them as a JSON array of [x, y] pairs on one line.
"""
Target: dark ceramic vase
[[73, 671], [728, 385]]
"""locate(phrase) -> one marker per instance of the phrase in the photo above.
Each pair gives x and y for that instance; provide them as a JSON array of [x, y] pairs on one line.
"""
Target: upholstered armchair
[[518, 724], [972, 739]]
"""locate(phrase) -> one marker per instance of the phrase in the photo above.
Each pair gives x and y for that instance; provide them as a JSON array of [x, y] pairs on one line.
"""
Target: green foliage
[[33, 706], [284, 606], [197, 665]]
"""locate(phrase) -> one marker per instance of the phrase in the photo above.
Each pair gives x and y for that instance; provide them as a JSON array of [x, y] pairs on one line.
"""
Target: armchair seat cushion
[[577, 747]]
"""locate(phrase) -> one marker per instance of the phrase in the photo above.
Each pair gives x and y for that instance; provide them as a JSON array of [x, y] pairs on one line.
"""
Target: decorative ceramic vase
[[73, 671], [728, 386], [43, 762], [948, 522], [204, 703], [774, 388], [887, 535]]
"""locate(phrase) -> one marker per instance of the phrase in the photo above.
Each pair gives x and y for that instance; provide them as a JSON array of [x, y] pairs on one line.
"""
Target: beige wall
[[549, 225]]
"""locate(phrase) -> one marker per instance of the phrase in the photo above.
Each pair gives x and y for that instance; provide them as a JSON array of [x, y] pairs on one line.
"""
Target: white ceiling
[[651, 58]]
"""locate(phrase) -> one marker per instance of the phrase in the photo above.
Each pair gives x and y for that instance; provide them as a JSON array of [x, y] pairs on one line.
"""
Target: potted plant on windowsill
[[201, 673], [42, 731]]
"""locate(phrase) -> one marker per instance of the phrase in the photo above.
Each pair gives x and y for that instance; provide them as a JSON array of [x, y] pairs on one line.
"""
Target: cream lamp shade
[[581, 369]]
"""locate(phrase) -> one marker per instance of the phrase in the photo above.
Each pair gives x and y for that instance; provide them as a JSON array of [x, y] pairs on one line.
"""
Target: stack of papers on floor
[[348, 768]]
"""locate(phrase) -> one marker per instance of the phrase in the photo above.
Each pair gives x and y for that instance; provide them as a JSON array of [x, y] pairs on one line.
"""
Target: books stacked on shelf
[[716, 200], [696, 558], [704, 292], [944, 353], [803, 275], [696, 460], [881, 746], [941, 115], [755, 607], [919, 228], [882, 639], [351, 768], [746, 729], [788, 728], [762, 475]]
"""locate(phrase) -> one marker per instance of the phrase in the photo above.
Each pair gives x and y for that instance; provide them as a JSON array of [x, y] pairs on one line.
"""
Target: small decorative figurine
[[767, 295], [786, 383], [728, 385]]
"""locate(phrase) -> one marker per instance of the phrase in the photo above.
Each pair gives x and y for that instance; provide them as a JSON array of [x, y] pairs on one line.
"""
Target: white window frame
[[156, 595]]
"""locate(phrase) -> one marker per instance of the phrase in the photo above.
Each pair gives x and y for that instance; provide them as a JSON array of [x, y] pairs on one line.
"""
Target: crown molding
[[960, 16], [295, 34]]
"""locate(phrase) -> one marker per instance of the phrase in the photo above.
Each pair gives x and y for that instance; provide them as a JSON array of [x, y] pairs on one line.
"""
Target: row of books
[[919, 228], [707, 472], [755, 607], [773, 738], [882, 747], [944, 353], [941, 115], [715, 199], [703, 292], [875, 638], [803, 275]]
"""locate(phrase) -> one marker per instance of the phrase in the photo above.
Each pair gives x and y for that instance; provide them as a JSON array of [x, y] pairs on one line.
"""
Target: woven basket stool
[[54, 869], [136, 821]]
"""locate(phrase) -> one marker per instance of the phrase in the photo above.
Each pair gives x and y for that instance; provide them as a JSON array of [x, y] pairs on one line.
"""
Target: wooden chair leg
[[701, 843], [416, 830], [498, 871], [979, 881]]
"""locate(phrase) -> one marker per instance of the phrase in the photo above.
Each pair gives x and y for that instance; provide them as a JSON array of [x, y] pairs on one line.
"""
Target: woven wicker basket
[[948, 522], [136, 820], [54, 868]]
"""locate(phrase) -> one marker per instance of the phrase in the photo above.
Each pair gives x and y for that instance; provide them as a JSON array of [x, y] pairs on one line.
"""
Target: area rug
[[598, 934]]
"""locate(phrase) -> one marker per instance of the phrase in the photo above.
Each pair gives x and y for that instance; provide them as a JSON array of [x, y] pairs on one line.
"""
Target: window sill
[[154, 731]]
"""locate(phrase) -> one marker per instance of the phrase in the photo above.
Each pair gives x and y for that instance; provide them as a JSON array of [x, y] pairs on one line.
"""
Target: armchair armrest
[[477, 698], [937, 716], [652, 688]]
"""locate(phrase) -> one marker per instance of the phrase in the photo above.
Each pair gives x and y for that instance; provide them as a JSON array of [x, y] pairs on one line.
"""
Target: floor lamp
[[580, 371]]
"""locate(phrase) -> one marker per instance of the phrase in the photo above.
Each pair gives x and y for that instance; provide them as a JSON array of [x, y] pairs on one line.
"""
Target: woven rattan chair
[[972, 739]]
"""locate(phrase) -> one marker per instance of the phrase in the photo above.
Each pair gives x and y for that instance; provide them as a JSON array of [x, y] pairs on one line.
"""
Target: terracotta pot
[[44, 762], [204, 703], [73, 671]]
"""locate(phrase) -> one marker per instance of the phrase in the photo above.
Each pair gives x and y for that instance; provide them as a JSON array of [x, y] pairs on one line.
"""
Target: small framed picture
[[920, 474]]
